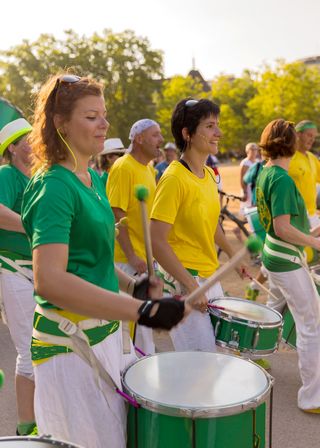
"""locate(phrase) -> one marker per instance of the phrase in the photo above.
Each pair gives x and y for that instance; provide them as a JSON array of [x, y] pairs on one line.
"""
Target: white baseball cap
[[112, 145], [12, 131]]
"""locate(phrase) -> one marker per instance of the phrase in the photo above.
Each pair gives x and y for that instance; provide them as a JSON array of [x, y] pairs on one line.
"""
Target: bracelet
[[131, 285]]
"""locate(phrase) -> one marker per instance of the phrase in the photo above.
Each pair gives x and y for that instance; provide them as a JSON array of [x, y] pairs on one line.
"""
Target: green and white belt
[[280, 249], [16, 265], [76, 337]]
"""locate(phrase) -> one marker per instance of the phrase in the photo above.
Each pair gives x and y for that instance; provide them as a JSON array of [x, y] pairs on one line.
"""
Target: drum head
[[245, 310], [196, 384], [33, 442]]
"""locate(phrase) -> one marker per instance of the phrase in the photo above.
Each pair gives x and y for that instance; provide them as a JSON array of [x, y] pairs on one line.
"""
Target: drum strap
[[77, 341], [299, 258], [16, 266]]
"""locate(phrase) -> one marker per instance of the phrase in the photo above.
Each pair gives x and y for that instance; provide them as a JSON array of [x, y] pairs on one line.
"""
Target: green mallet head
[[1, 378], [254, 244], [141, 192]]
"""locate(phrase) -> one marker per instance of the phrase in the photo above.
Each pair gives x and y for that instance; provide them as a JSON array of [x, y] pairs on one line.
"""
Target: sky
[[225, 36]]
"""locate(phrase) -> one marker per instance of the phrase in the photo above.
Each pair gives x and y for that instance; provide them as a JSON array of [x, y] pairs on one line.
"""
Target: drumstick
[[142, 194], [231, 311], [263, 287], [252, 245]]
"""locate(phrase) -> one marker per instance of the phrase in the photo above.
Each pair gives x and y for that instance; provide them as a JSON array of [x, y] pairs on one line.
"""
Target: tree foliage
[[131, 71], [135, 87], [173, 90]]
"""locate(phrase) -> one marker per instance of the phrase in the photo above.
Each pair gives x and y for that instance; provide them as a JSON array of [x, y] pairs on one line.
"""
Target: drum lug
[[235, 338], [216, 328], [256, 338]]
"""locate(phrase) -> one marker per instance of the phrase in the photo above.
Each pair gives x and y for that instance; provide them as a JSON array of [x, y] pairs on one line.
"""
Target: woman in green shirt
[[283, 215], [15, 258], [70, 225]]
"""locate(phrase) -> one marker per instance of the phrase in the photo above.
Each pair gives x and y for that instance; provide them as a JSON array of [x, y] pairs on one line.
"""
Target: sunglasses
[[64, 80], [187, 105]]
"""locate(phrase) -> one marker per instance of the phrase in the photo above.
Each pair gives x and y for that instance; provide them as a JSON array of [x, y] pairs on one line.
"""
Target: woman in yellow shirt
[[185, 215]]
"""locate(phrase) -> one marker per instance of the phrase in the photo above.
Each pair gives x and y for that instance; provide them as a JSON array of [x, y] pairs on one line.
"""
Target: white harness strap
[[16, 265], [77, 341]]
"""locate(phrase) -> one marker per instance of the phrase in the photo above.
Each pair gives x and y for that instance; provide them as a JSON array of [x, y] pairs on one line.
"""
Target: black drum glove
[[169, 313], [141, 287]]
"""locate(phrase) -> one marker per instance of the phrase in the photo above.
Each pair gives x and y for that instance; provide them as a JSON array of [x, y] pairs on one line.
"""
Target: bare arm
[[243, 171], [10, 220], [222, 242], [284, 230], [74, 294], [126, 245]]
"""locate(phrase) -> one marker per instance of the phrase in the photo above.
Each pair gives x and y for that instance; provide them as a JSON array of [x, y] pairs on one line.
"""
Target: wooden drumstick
[[264, 288], [252, 245], [233, 312], [142, 194]]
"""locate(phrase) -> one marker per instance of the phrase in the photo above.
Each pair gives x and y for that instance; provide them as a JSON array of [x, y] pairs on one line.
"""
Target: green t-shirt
[[104, 178], [12, 185], [277, 195], [58, 208]]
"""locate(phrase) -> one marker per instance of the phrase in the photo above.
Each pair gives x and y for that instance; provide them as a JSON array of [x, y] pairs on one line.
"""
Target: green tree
[[131, 71], [233, 94], [173, 90], [289, 91]]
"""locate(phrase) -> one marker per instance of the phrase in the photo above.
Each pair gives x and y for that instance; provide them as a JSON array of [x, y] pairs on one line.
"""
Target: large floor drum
[[197, 400], [246, 327]]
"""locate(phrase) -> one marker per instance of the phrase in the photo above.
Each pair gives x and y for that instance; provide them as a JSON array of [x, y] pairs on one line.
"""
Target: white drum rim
[[203, 412], [251, 322], [41, 439]]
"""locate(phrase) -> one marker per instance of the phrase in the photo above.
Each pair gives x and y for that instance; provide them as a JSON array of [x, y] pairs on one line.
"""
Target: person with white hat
[[130, 170], [15, 257], [113, 149], [170, 153]]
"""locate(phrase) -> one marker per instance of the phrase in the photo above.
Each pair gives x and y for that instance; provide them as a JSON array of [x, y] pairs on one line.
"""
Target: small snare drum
[[247, 327], [197, 400]]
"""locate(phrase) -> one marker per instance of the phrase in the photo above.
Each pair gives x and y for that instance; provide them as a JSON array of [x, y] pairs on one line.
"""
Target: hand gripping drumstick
[[142, 193], [252, 245]]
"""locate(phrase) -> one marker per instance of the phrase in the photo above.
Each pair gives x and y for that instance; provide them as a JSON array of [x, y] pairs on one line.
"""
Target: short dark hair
[[187, 114], [278, 139]]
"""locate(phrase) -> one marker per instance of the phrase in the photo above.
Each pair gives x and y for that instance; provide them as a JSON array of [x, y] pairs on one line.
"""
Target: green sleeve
[[48, 213], [284, 197], [8, 189]]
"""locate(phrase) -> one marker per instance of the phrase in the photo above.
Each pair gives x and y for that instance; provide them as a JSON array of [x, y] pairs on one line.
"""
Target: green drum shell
[[289, 335], [245, 335], [157, 425], [253, 219], [148, 429]]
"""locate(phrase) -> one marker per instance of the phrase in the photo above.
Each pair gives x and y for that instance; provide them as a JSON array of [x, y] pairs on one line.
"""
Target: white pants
[[144, 335], [19, 305], [196, 331], [304, 303], [68, 404]]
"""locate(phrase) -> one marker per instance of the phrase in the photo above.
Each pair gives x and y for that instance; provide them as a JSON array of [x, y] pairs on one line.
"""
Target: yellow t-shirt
[[192, 206], [125, 173], [305, 171]]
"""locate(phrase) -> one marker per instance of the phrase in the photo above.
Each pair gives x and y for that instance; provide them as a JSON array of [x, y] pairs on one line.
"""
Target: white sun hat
[[12, 131], [112, 145]]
